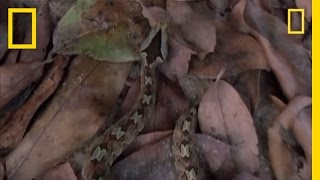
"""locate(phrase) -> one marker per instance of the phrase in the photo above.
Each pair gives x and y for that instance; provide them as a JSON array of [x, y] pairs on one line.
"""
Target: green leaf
[[105, 46], [114, 37]]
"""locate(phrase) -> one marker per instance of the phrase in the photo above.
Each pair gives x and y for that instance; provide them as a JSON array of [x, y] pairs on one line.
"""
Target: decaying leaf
[[71, 118], [222, 114]]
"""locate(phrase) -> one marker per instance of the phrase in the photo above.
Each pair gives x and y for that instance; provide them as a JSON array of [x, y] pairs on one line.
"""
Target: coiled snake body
[[105, 150]]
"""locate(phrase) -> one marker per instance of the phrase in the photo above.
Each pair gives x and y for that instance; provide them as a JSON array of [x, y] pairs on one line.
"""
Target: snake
[[107, 147], [186, 160]]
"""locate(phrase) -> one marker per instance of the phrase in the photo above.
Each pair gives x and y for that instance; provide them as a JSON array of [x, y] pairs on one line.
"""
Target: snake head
[[159, 27]]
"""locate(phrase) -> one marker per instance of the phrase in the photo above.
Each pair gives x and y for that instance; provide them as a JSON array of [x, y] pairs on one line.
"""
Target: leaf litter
[[234, 58]]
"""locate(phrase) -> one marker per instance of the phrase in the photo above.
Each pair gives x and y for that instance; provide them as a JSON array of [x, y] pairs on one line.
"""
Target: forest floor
[[234, 59]]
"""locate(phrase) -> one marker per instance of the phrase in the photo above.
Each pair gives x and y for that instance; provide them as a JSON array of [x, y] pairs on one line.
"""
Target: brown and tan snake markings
[[186, 162], [107, 147]]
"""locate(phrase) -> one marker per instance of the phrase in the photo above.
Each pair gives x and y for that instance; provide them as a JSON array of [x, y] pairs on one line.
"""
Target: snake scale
[[186, 159], [105, 150]]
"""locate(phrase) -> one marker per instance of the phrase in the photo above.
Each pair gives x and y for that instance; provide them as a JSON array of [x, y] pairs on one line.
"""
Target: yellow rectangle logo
[[290, 31], [33, 12]]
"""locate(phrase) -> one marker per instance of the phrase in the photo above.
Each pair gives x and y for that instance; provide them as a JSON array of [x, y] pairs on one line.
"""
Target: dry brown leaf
[[145, 140], [61, 172], [281, 160], [286, 56], [237, 52], [222, 114], [12, 133], [16, 77], [74, 115], [156, 161], [198, 30], [153, 162], [44, 32], [284, 163]]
